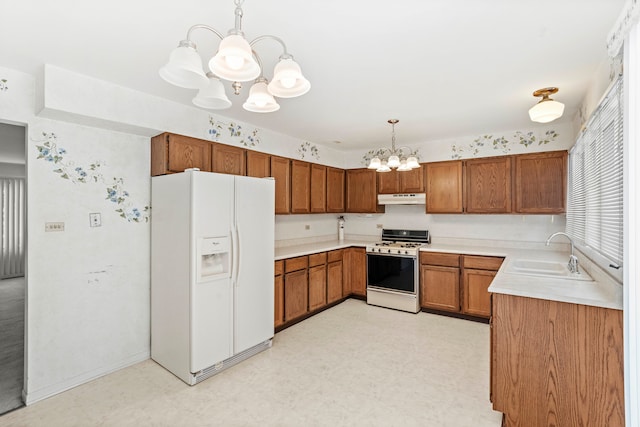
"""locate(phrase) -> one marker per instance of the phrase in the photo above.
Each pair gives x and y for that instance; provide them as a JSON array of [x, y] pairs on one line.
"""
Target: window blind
[[594, 207], [12, 227]]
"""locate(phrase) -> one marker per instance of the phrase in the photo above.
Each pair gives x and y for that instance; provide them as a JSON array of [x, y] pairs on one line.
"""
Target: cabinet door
[[444, 187], [334, 281], [362, 195], [280, 170], [389, 182], [488, 185], [258, 164], [175, 153], [476, 300], [335, 190], [300, 187], [541, 182], [440, 287], [318, 188], [228, 159], [317, 287], [358, 270], [279, 300], [412, 181], [295, 294]]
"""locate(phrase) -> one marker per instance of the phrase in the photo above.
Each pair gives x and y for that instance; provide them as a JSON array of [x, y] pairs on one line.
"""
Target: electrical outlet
[[378, 225], [53, 226], [307, 227], [95, 220]]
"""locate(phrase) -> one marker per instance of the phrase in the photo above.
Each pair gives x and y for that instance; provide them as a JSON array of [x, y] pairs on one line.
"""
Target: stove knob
[[388, 250], [406, 252]]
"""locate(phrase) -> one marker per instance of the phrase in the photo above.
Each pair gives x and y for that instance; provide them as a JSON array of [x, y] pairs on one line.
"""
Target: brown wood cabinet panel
[[317, 259], [296, 291], [541, 182], [358, 268], [389, 182], [412, 181], [557, 363], [317, 287], [228, 159], [346, 271], [335, 190], [361, 190], [488, 185], [278, 311], [281, 171], [444, 187], [318, 188], [482, 262], [333, 256], [441, 259], [476, 300], [334, 281], [278, 267], [258, 164], [175, 153], [297, 263], [300, 187], [440, 287]]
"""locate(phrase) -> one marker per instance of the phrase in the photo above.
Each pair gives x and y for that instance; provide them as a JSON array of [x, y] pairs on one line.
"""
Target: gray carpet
[[11, 343]]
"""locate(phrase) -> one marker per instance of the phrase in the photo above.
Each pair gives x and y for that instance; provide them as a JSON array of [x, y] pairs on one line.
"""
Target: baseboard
[[31, 397]]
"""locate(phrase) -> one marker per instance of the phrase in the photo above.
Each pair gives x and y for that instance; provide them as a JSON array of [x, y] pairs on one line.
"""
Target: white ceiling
[[445, 68]]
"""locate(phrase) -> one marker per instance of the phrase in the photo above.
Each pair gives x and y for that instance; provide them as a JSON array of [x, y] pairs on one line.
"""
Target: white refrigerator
[[212, 254]]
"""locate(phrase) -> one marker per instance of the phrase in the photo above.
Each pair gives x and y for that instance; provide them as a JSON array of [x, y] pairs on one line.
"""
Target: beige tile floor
[[352, 365]]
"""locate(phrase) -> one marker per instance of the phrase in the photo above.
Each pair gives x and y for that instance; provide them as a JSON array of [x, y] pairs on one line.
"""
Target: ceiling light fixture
[[547, 110], [385, 159], [235, 61]]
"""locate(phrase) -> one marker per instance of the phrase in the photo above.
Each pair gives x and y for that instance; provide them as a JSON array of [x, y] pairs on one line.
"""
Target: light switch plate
[[95, 220]]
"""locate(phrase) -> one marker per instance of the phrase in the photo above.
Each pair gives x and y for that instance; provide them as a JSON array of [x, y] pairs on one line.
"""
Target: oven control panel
[[392, 251]]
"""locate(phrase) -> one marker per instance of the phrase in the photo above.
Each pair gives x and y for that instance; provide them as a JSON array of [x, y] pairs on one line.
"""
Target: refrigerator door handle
[[235, 248]]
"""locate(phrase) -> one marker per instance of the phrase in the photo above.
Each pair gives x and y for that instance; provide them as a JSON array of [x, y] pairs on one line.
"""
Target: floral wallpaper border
[[235, 131], [502, 143], [312, 149], [3, 85], [66, 169]]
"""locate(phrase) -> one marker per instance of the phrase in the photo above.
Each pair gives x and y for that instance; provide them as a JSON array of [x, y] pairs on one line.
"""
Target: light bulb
[[288, 82], [261, 102], [234, 62]]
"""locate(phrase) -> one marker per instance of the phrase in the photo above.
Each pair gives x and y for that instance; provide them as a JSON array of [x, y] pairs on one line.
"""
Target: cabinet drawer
[[278, 268], [334, 256], [317, 259], [482, 262], [294, 264], [436, 258]]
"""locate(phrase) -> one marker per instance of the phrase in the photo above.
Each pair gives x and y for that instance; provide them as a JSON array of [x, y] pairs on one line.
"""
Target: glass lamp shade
[[212, 96], [393, 161], [260, 100], [412, 162], [288, 81], [234, 60], [403, 166], [374, 163], [546, 111], [384, 167], [184, 68]]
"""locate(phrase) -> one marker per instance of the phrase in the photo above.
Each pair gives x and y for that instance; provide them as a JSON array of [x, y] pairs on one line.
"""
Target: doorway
[[12, 264]]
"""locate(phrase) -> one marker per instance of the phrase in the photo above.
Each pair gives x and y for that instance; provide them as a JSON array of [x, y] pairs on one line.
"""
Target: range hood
[[402, 199]]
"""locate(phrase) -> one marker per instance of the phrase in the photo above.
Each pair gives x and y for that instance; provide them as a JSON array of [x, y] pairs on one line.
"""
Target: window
[[595, 197], [12, 227]]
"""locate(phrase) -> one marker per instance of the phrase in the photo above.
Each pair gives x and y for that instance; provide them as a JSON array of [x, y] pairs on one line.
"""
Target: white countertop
[[601, 292]]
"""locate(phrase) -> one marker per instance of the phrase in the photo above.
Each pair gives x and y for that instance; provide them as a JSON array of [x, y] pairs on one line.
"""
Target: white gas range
[[392, 269]]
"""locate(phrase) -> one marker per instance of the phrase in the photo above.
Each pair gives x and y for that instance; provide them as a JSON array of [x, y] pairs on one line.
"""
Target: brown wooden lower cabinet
[[440, 287], [358, 271], [296, 287], [317, 287], [334, 276], [555, 363], [278, 312]]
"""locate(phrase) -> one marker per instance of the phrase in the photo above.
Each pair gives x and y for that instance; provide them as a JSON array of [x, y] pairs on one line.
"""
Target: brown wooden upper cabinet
[[318, 188], [258, 164], [280, 170], [335, 190], [401, 182], [541, 182], [175, 153], [444, 187], [361, 190], [300, 187], [488, 185], [227, 159]]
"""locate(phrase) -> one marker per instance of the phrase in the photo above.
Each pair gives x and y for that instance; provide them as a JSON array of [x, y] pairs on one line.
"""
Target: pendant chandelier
[[237, 62], [547, 110], [401, 158]]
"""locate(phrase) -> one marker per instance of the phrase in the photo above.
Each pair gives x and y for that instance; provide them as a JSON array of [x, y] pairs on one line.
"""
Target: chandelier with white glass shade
[[401, 158], [237, 62], [546, 110]]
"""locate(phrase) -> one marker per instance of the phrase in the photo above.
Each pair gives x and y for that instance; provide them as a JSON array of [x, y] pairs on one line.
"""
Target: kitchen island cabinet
[[556, 363]]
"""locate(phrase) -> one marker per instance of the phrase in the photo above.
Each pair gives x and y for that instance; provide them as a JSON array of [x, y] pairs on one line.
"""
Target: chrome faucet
[[573, 260]]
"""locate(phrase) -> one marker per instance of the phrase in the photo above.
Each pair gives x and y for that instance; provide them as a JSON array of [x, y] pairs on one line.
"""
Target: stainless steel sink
[[534, 267]]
